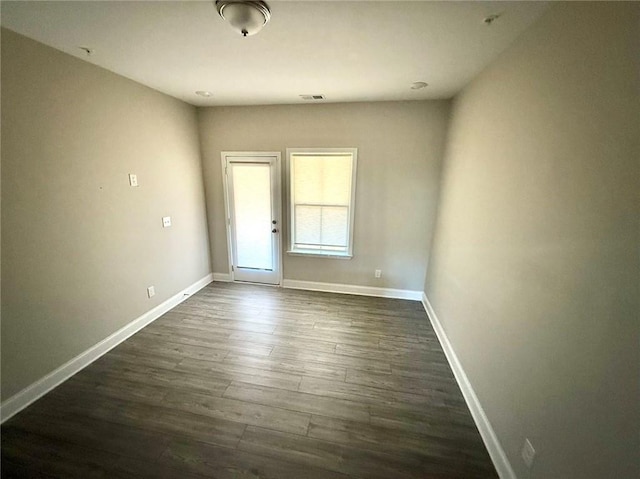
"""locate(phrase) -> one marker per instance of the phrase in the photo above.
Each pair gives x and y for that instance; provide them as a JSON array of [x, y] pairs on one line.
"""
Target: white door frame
[[276, 194]]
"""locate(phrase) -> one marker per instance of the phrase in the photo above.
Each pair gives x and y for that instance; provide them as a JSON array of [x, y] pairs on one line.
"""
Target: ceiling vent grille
[[312, 97]]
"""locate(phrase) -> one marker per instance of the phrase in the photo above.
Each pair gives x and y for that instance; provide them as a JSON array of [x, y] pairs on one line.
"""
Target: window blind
[[321, 201]]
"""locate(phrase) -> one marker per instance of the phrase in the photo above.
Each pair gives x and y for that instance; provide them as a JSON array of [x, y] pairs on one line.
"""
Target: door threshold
[[256, 284]]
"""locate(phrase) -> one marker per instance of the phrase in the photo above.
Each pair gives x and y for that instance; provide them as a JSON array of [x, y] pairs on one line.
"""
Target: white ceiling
[[348, 51]]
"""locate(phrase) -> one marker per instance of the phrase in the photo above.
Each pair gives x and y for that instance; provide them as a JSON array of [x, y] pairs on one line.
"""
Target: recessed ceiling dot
[[204, 93], [417, 85], [488, 20]]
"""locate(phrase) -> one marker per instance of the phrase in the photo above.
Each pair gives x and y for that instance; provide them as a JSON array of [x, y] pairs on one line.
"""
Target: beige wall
[[81, 246], [534, 270], [399, 154]]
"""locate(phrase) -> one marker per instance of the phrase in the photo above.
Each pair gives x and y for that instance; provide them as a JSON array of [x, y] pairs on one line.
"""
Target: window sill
[[319, 254]]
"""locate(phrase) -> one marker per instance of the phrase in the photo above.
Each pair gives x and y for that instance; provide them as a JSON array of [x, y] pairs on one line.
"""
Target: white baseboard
[[498, 456], [33, 392], [223, 277], [353, 289]]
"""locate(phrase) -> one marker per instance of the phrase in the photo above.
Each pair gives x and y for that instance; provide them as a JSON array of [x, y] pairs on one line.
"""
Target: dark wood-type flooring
[[245, 381]]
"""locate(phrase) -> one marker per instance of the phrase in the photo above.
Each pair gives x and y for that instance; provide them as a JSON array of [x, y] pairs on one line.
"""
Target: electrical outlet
[[133, 179], [378, 273], [166, 221], [528, 453], [151, 291]]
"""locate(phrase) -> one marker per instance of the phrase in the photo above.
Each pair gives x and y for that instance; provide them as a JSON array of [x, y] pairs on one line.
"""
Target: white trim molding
[[35, 391], [496, 452], [353, 289], [273, 160], [222, 277]]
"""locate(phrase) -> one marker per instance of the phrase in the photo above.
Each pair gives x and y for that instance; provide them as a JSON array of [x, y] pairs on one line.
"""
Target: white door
[[252, 198]]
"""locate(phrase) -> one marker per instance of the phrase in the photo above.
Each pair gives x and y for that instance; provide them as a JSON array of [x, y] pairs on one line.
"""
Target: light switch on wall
[[133, 179], [166, 221]]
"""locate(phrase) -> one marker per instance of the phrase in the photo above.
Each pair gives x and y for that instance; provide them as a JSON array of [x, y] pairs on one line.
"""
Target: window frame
[[353, 152]]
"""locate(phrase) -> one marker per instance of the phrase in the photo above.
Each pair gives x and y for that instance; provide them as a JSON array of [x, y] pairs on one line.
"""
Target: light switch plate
[[166, 221], [133, 179], [151, 291]]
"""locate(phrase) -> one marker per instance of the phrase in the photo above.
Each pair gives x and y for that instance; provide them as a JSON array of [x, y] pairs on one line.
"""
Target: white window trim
[[319, 253]]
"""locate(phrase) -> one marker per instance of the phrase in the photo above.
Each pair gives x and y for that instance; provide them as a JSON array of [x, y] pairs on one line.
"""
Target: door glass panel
[[252, 202]]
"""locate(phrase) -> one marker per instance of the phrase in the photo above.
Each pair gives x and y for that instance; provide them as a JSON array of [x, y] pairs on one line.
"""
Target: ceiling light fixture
[[204, 93], [246, 17], [418, 85]]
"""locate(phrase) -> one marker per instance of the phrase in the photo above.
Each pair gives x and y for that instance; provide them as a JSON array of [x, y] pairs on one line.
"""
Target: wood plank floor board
[[235, 325], [409, 346], [336, 457], [312, 334], [393, 382], [365, 394], [176, 323], [141, 414], [305, 355], [367, 436], [44, 456], [420, 357], [237, 305], [259, 316], [115, 387], [426, 449], [228, 371], [299, 402], [240, 411], [417, 370], [430, 421], [128, 468], [291, 366], [200, 338], [125, 380], [372, 331], [285, 318], [88, 432], [384, 325], [275, 340], [11, 470], [221, 463], [171, 350], [162, 383], [253, 382], [120, 357]]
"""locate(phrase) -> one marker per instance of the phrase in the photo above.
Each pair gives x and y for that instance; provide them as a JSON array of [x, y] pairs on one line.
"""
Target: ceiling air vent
[[312, 97]]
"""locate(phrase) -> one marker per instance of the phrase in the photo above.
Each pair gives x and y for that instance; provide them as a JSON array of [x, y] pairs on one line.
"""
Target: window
[[321, 200]]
